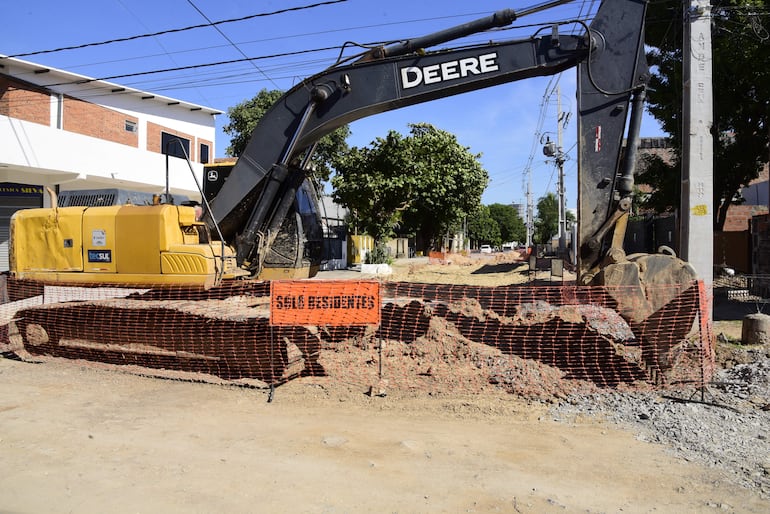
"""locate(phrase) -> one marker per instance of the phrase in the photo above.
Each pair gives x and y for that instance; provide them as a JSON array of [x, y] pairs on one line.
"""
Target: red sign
[[324, 302]]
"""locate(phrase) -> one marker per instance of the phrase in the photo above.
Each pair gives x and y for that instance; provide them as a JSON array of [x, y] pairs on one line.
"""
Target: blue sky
[[503, 123]]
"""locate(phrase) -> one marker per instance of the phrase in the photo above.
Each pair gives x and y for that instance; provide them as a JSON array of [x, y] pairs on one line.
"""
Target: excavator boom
[[252, 203]]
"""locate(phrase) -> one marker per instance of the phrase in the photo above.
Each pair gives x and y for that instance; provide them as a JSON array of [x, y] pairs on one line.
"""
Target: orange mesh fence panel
[[708, 350], [525, 339], [436, 257]]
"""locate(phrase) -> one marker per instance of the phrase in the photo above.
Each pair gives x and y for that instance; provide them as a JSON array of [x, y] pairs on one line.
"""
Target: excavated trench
[[532, 341]]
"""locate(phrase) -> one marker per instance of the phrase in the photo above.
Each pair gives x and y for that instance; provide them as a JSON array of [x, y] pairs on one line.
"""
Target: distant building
[[335, 248], [521, 210], [755, 202], [754, 195]]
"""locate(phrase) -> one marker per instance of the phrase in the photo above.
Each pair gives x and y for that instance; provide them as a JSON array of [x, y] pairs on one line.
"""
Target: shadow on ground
[[503, 267]]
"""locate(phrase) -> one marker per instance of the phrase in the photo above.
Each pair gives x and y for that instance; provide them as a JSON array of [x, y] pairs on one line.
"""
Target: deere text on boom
[[412, 76]]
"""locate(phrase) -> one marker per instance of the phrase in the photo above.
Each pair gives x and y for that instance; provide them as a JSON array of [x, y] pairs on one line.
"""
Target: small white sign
[[98, 237]]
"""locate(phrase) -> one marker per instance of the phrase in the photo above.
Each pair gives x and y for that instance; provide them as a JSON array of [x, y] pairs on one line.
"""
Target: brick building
[[755, 203], [733, 245], [64, 131], [755, 194]]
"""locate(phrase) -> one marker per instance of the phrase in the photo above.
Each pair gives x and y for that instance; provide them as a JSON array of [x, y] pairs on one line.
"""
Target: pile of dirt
[[444, 361]]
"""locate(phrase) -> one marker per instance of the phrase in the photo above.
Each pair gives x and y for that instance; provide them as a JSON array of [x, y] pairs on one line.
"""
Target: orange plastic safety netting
[[529, 340]]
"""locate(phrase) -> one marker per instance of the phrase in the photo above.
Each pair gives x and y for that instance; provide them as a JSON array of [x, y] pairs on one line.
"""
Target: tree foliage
[[373, 184], [741, 89], [547, 218], [245, 116], [425, 182], [483, 228], [511, 225], [496, 224], [665, 177]]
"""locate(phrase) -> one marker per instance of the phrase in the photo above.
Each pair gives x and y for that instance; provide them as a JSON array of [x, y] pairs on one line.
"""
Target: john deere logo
[[413, 76], [212, 175]]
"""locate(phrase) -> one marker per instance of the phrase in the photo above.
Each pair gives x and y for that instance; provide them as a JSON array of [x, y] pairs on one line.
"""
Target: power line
[[193, 66], [275, 38], [178, 81], [160, 44], [293, 36], [227, 78], [245, 59], [182, 29], [216, 27], [192, 80]]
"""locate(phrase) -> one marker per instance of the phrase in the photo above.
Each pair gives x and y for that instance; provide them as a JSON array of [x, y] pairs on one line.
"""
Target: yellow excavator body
[[122, 244]]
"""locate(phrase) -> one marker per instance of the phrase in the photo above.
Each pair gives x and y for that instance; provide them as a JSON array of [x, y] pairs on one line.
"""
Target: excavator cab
[[298, 246]]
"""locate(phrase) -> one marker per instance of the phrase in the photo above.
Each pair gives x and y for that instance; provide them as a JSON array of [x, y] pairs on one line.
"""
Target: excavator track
[[220, 332]]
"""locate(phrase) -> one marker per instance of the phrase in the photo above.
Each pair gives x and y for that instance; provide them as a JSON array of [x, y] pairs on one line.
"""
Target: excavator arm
[[252, 205]]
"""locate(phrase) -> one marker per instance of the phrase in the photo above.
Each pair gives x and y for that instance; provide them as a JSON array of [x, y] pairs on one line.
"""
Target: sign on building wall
[[11, 189]]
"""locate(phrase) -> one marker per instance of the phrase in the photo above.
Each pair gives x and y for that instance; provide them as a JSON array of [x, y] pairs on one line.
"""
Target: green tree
[[547, 218], [245, 116], [483, 228], [425, 182], [373, 184], [511, 225], [741, 91], [665, 177], [449, 186]]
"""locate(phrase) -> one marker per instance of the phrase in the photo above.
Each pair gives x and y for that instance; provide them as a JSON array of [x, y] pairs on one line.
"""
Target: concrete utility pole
[[697, 213], [557, 152], [530, 210], [560, 158]]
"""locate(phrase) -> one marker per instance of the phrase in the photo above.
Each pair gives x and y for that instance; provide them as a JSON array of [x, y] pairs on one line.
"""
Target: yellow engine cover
[[127, 244]]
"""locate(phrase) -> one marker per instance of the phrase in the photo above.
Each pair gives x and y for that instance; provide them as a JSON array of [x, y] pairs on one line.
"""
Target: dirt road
[[77, 439]]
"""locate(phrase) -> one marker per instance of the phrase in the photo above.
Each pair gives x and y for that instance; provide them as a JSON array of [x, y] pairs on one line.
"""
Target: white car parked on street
[[486, 249]]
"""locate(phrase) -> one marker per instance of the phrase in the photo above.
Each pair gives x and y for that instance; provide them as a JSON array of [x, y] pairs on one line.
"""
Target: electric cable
[[182, 29], [237, 48]]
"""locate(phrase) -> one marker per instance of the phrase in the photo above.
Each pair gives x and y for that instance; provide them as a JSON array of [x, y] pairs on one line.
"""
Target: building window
[[204, 153], [174, 146], [130, 126]]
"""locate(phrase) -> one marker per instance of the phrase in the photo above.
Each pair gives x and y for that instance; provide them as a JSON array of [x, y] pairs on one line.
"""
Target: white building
[[64, 131]]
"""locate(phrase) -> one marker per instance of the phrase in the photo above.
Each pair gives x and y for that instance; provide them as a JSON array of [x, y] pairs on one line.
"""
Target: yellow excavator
[[120, 244], [263, 221], [260, 218]]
